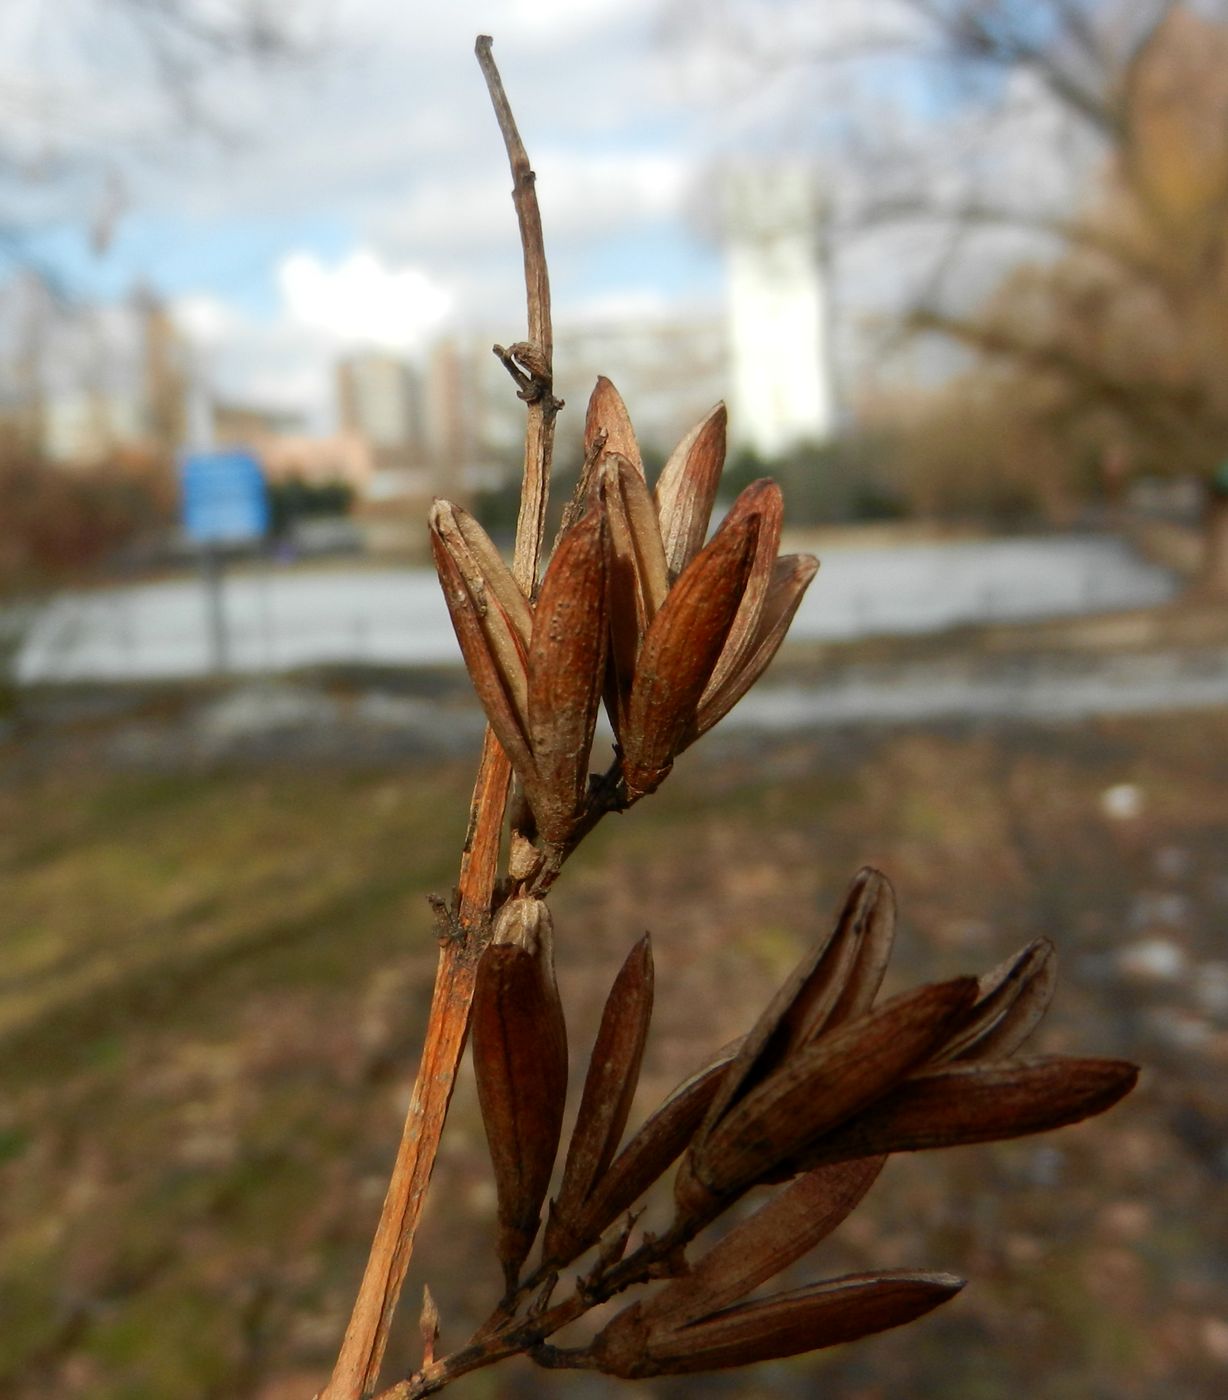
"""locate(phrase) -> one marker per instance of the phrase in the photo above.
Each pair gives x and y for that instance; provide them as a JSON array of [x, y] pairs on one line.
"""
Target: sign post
[[224, 501]]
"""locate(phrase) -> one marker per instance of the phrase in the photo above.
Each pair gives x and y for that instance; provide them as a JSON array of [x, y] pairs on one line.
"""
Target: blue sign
[[223, 497]]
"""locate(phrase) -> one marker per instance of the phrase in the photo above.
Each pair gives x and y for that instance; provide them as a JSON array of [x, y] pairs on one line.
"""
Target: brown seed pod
[[686, 490], [779, 1233], [791, 576], [495, 652], [566, 671], [538, 672], [806, 1319], [680, 648], [486, 575], [638, 579], [649, 1154], [974, 1102], [762, 501], [1011, 1000], [609, 1087], [837, 979], [824, 1083], [607, 414], [520, 1062]]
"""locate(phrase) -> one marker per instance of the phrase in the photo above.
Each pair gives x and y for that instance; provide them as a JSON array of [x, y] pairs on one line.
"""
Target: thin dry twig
[[531, 362], [357, 1368]]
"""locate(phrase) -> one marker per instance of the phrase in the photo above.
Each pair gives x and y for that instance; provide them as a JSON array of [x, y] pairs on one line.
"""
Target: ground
[[213, 984]]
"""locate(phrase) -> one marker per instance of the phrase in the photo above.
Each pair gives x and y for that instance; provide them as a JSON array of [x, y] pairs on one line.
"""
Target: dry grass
[[211, 986]]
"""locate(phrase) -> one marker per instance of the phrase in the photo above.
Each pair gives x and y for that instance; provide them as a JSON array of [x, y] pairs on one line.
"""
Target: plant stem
[[515, 1337], [356, 1372], [537, 355]]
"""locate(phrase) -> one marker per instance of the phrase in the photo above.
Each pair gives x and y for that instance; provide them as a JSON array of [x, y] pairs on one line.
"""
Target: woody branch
[[466, 925]]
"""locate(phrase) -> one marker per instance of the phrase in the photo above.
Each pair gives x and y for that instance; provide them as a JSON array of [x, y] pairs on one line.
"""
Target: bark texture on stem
[[531, 362], [357, 1369], [362, 1352]]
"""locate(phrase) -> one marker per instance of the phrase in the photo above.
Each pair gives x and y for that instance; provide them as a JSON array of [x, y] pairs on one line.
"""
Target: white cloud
[[363, 301], [644, 305], [583, 197], [571, 19], [272, 363], [583, 194], [206, 321], [286, 361]]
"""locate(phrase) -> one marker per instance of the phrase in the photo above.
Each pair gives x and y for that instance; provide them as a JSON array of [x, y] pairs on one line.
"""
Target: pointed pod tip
[[874, 886], [716, 416], [643, 950], [765, 1329], [1121, 1076], [763, 494], [871, 875]]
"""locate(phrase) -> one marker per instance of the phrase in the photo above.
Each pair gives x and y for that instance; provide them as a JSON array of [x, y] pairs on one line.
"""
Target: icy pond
[[278, 619]]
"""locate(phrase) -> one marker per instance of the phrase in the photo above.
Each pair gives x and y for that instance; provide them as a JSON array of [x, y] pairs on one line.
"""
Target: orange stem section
[[362, 1352]]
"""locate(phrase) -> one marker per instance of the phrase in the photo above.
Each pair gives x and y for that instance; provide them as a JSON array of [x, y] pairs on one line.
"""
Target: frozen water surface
[[278, 619]]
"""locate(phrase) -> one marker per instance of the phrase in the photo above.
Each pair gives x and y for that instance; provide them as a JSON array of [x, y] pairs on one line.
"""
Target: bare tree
[[1128, 323], [93, 91], [1075, 153]]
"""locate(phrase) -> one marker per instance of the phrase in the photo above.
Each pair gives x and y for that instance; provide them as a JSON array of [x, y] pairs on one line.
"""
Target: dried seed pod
[[585, 488], [482, 565], [538, 672], [490, 642], [520, 1062], [762, 501], [609, 1087], [607, 413], [791, 576], [962, 1103], [650, 1153], [814, 1090], [805, 1319], [1010, 1002], [779, 1233], [638, 579], [566, 672], [870, 908], [686, 490], [836, 980], [635, 536], [680, 649]]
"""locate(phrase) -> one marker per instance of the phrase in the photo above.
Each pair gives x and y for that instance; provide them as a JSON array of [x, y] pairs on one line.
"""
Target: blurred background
[[959, 269]]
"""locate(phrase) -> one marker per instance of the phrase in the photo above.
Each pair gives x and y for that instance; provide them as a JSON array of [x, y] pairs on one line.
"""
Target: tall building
[[670, 369], [84, 381], [781, 391], [376, 397]]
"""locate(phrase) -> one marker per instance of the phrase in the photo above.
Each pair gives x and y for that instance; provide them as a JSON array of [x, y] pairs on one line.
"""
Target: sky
[[362, 197]]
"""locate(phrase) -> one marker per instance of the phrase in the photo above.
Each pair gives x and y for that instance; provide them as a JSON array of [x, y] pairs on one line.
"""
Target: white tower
[[781, 392]]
